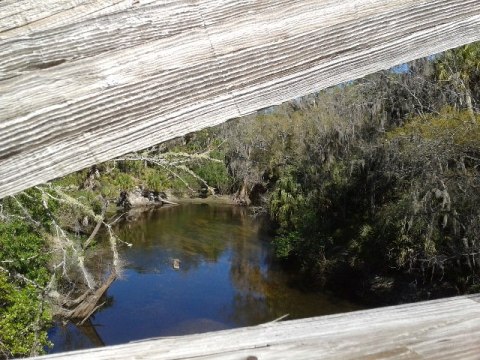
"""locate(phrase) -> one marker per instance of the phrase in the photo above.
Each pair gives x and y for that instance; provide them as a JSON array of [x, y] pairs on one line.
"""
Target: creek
[[194, 268]]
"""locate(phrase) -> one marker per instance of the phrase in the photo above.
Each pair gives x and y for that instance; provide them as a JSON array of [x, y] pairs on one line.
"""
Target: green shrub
[[20, 308], [156, 180], [24, 252], [124, 182], [215, 174]]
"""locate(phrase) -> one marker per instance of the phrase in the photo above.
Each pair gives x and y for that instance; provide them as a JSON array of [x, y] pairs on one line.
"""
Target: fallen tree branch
[[167, 201], [86, 304], [91, 313], [86, 244]]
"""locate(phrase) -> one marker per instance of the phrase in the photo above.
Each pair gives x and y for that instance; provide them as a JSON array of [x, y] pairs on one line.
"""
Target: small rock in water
[[176, 264]]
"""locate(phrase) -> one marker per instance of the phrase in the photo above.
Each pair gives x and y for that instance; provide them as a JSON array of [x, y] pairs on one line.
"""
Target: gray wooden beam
[[443, 329], [84, 81]]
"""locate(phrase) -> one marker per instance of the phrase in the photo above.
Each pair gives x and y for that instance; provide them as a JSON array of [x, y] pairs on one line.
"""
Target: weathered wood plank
[[83, 81], [442, 329]]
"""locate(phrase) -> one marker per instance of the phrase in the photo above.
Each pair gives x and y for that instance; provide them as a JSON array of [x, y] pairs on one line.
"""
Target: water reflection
[[226, 278], [71, 337]]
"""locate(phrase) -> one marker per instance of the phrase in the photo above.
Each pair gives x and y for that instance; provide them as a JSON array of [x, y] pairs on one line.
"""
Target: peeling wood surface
[[84, 81], [443, 329]]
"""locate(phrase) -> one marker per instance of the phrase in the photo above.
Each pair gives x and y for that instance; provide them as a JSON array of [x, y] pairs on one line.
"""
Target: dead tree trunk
[[242, 196], [84, 306]]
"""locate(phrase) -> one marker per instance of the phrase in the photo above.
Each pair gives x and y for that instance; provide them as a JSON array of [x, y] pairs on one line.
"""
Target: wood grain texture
[[84, 81], [444, 329]]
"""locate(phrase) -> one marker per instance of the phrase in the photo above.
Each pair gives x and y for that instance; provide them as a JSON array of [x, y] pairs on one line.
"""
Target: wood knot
[[252, 358]]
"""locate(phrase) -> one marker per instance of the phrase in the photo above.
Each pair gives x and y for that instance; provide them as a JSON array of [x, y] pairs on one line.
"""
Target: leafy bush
[[156, 180], [23, 316], [124, 182], [21, 311], [23, 251], [215, 174]]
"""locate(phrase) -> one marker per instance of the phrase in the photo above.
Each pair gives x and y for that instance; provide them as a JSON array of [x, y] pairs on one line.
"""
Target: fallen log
[[165, 201], [86, 307], [86, 304]]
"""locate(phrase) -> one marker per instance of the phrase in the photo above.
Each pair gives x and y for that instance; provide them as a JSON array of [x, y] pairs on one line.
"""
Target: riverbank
[[212, 199]]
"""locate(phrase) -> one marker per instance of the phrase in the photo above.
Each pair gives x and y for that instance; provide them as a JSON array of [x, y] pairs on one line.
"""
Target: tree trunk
[[242, 195], [87, 307], [468, 101]]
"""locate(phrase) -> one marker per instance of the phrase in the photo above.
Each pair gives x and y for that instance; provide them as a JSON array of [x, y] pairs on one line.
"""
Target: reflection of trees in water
[[249, 273], [195, 235], [89, 331], [192, 233], [265, 292], [78, 337], [200, 233]]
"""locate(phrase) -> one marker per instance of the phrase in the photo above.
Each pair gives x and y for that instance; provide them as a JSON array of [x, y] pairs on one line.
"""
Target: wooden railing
[[84, 81], [443, 329]]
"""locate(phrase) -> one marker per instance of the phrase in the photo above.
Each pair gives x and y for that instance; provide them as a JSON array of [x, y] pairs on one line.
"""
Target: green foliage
[[459, 64], [215, 174], [460, 68], [109, 191], [451, 125], [437, 172], [286, 201], [124, 181], [286, 244], [379, 176], [408, 204], [20, 307], [172, 170], [133, 168], [23, 251], [285, 204], [31, 201], [156, 180], [74, 180], [23, 316]]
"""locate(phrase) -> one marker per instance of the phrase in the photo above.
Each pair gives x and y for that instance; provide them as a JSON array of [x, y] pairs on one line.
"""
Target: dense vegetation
[[374, 184], [23, 276], [372, 187]]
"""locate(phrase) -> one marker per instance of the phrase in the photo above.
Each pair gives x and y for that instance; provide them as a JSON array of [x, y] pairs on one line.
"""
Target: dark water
[[227, 278]]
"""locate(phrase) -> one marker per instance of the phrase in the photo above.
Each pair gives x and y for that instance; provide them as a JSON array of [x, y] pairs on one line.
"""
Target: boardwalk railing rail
[[84, 81], [442, 329]]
